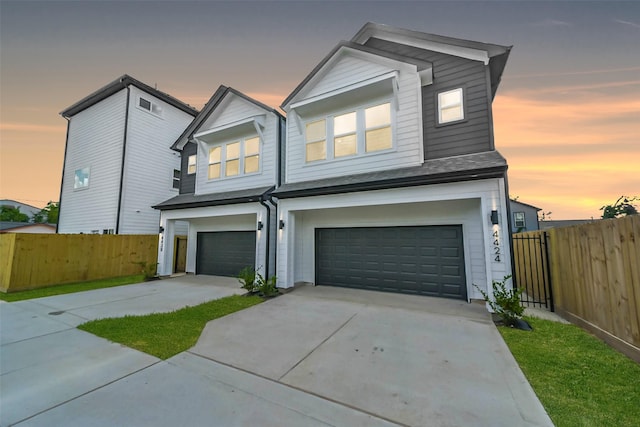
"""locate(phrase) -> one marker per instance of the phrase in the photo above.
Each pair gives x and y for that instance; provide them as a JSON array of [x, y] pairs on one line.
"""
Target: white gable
[[232, 109]]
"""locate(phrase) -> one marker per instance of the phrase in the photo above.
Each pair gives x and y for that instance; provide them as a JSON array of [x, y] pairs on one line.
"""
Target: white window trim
[[515, 220], [360, 132], [84, 187], [241, 158], [440, 106], [176, 179]]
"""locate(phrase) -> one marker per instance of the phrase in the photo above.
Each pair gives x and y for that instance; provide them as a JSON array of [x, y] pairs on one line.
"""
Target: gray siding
[[472, 135], [187, 182]]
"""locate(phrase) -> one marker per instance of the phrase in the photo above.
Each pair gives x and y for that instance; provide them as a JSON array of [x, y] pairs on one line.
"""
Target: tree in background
[[48, 214], [11, 214], [622, 207]]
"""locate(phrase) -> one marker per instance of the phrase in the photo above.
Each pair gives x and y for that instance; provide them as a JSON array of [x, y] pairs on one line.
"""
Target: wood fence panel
[[39, 260]]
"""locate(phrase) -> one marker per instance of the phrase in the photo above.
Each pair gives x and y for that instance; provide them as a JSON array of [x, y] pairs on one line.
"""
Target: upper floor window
[[450, 106], [191, 167], [176, 178], [81, 178], [235, 158], [364, 130], [149, 106], [518, 220]]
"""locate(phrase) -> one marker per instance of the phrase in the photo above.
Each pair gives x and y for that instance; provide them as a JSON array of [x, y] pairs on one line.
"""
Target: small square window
[[519, 220], [81, 178], [191, 169], [450, 106], [146, 104]]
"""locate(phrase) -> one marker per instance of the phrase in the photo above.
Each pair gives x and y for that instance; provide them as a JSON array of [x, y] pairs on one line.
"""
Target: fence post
[[548, 271]]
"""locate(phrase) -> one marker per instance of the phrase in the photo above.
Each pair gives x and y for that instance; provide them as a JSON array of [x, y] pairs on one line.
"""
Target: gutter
[[124, 152], [64, 167]]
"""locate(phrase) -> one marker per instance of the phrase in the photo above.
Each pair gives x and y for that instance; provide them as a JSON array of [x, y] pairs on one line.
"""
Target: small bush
[[506, 302], [266, 288], [247, 279], [149, 270]]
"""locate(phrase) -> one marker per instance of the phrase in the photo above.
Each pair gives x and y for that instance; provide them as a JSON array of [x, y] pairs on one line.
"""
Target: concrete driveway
[[316, 356]]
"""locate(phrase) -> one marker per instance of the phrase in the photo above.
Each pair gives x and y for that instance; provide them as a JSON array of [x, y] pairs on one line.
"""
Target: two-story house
[[230, 163], [384, 176], [391, 178], [117, 161]]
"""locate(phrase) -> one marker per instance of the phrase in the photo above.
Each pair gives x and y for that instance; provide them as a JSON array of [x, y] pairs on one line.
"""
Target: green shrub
[[506, 302], [247, 279], [149, 270], [266, 288]]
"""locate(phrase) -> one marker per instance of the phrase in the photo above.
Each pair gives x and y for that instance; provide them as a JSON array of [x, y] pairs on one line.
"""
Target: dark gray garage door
[[414, 260], [225, 253]]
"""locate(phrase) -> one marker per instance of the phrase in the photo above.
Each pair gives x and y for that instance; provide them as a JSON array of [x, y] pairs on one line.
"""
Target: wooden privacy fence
[[595, 274], [31, 261]]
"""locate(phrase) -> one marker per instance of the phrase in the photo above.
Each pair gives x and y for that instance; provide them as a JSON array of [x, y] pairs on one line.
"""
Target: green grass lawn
[[71, 288], [166, 334], [580, 380]]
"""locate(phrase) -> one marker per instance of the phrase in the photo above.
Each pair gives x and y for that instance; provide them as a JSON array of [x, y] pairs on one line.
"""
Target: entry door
[[180, 264]]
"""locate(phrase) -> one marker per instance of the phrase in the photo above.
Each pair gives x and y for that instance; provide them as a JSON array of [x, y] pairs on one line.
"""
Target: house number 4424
[[497, 249]]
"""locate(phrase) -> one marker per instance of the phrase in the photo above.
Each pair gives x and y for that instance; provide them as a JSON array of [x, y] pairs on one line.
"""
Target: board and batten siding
[[95, 140], [407, 136], [149, 163], [474, 134], [235, 109]]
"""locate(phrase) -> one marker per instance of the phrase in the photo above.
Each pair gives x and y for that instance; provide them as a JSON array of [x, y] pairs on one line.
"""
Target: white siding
[[149, 163], [95, 141], [407, 131], [232, 110], [466, 204]]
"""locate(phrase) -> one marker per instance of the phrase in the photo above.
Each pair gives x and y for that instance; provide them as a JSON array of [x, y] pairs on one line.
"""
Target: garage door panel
[[225, 253], [425, 260]]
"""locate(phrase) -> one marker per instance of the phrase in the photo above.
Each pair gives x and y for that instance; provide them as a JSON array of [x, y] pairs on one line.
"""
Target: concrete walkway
[[316, 356]]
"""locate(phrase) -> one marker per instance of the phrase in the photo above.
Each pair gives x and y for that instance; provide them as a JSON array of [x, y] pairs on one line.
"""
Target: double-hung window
[[450, 106], [176, 179], [214, 162], [81, 178], [519, 220], [191, 166], [364, 130], [236, 158], [316, 139]]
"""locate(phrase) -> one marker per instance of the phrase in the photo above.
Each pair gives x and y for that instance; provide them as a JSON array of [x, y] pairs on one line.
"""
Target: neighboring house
[[392, 181], [524, 217], [117, 161], [26, 227], [29, 210], [230, 164]]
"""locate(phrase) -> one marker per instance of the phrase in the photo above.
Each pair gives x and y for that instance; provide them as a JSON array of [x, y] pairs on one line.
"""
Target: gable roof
[[209, 107], [524, 204], [496, 55], [117, 85], [421, 65]]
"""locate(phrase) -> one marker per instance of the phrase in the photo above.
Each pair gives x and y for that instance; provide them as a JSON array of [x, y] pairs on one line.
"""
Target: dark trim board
[[419, 260]]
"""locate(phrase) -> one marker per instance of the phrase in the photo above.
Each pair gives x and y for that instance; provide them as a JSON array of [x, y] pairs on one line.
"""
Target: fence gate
[[532, 270]]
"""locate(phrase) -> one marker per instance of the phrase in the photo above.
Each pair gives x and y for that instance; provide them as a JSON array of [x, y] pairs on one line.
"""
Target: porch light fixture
[[494, 217], [281, 225], [260, 225]]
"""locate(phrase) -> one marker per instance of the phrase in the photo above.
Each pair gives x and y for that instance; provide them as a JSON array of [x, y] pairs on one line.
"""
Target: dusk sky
[[566, 116]]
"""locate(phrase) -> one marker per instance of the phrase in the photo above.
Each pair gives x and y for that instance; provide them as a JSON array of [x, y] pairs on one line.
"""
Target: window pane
[[233, 150], [232, 168], [214, 171], [379, 115], [344, 145], [453, 97], [214, 154], [176, 183], [251, 164], [316, 151], [191, 169], [345, 123], [316, 130], [251, 146], [450, 114], [192, 164], [81, 178], [379, 139], [176, 173]]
